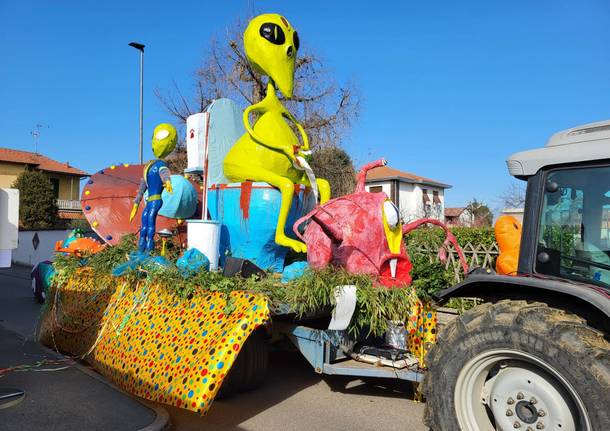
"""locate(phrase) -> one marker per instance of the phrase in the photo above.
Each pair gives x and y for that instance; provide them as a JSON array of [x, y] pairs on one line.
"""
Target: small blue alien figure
[[156, 176]]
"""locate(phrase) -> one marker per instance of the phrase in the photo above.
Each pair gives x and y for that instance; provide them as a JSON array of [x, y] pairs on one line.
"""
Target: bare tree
[[514, 195], [481, 214], [326, 109], [335, 165]]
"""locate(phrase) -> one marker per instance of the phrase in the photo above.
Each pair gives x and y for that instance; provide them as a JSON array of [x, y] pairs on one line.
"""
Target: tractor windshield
[[574, 239]]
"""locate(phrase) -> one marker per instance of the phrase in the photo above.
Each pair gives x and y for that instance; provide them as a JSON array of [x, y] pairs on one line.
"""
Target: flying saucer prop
[[107, 200]]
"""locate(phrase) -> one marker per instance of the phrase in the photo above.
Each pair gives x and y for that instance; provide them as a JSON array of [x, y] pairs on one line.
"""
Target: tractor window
[[574, 237]]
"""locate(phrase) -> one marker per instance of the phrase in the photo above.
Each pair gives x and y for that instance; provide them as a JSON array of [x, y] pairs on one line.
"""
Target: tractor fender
[[590, 302]]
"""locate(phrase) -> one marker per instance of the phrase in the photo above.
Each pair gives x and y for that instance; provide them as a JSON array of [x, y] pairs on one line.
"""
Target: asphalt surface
[[293, 397], [72, 398]]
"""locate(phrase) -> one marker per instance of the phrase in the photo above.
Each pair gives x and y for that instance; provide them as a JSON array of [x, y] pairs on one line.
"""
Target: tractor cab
[[567, 221]]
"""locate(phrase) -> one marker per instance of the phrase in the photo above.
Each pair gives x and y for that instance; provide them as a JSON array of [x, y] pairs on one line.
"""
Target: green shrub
[[37, 207], [429, 277], [429, 274], [464, 235]]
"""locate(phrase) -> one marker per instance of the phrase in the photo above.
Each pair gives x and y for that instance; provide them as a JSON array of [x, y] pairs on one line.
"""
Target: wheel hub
[[527, 412], [530, 400]]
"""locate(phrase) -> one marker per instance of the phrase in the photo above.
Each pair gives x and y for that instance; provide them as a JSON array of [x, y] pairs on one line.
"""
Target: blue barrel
[[248, 214]]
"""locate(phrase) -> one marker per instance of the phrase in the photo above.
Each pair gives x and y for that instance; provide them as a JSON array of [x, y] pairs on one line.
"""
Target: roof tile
[[386, 172], [454, 212], [41, 162]]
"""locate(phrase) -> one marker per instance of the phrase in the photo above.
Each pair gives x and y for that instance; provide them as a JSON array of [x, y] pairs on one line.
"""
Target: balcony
[[68, 205]]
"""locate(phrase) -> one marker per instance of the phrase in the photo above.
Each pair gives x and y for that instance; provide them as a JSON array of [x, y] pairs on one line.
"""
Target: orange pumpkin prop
[[508, 236]]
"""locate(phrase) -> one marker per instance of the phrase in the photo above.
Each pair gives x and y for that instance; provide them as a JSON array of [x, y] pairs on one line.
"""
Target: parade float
[[244, 248]]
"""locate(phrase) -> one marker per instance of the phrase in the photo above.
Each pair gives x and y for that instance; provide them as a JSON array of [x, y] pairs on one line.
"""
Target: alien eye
[[392, 215], [295, 40], [273, 33], [161, 134]]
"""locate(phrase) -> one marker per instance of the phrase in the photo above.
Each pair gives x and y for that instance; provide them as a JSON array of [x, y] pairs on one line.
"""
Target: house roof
[[41, 162], [454, 212], [387, 173], [70, 215]]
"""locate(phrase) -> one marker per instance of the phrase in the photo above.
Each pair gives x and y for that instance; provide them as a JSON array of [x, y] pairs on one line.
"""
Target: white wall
[[25, 253], [515, 212], [407, 195], [386, 187], [9, 221], [466, 218], [411, 200]]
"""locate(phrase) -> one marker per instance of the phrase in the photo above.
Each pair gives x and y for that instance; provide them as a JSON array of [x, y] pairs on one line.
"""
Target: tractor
[[535, 354]]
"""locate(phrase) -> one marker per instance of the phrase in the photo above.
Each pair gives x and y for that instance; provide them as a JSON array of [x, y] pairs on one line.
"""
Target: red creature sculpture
[[362, 233]]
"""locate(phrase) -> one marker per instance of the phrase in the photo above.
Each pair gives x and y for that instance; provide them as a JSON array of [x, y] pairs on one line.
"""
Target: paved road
[[293, 398]]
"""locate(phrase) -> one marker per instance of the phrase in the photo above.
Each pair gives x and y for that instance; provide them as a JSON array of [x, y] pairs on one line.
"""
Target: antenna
[[36, 135]]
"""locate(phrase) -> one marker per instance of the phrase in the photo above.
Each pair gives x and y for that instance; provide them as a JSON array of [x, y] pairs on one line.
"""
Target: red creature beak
[[395, 271]]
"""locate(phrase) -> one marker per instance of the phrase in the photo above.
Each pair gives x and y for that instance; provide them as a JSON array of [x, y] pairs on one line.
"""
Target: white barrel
[[204, 235]]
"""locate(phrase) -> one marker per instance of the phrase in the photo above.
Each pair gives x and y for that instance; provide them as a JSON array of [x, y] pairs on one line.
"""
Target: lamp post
[[140, 47]]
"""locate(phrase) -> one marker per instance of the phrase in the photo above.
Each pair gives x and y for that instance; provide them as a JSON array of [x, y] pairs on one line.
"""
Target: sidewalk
[[75, 398]]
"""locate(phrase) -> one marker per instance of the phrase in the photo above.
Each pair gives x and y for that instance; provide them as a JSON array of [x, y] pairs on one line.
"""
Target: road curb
[[161, 422], [162, 419]]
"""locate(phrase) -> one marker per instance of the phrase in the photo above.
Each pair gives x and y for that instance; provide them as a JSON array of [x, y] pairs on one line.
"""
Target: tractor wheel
[[250, 367], [515, 365]]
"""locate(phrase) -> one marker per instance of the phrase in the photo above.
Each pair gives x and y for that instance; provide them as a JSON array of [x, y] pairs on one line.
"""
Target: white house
[[415, 196]]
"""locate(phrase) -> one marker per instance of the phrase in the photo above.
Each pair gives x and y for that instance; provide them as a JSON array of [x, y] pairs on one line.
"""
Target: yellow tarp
[[421, 330], [147, 341]]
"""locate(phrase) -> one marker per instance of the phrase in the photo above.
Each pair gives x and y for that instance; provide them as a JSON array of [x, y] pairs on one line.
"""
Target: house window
[[55, 183], [375, 189], [425, 196], [435, 197]]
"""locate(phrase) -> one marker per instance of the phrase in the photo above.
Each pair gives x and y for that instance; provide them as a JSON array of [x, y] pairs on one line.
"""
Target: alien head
[[271, 46], [164, 140]]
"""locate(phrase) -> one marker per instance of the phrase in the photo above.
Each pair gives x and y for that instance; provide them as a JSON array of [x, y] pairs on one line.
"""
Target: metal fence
[[476, 255], [67, 204]]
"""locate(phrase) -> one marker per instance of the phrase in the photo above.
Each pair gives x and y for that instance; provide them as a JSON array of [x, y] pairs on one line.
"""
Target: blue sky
[[449, 89]]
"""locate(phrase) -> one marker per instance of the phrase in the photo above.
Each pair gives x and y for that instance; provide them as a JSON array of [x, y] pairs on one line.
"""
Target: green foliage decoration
[[308, 295]]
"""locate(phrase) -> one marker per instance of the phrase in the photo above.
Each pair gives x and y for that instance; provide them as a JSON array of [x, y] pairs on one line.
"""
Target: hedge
[[429, 274], [464, 235]]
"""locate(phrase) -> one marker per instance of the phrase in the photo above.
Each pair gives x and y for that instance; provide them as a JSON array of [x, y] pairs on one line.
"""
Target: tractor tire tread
[[580, 353]]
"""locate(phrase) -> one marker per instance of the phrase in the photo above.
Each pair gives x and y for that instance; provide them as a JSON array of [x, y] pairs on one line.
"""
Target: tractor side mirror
[[552, 196], [552, 186], [548, 260]]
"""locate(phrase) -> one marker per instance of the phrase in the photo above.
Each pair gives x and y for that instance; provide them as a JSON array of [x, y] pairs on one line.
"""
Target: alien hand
[[306, 154], [168, 186], [134, 210]]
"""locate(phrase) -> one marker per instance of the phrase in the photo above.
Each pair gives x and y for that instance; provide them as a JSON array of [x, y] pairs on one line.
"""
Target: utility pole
[[140, 47]]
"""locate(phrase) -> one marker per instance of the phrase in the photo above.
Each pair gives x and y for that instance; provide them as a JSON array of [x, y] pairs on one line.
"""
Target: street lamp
[[140, 48]]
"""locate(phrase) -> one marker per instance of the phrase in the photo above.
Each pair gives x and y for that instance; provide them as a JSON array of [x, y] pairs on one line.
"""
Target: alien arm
[[138, 198], [166, 175], [140, 193], [246, 119], [305, 146]]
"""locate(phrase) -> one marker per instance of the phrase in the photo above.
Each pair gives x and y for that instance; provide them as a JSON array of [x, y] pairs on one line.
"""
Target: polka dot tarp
[[421, 330], [149, 342]]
